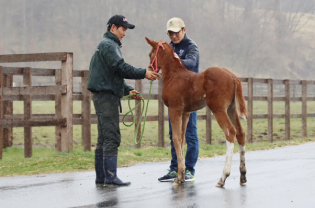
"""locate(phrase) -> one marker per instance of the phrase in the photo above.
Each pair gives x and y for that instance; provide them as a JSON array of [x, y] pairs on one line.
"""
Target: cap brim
[[173, 29], [129, 26]]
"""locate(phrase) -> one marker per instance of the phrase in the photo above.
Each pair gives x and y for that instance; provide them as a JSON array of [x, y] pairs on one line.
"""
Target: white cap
[[175, 24]]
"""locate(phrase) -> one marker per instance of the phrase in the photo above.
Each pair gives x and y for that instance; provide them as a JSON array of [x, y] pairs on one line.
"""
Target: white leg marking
[[227, 165], [228, 159], [242, 158]]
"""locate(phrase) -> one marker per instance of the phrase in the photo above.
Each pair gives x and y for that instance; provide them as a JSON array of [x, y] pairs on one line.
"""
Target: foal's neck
[[171, 66]]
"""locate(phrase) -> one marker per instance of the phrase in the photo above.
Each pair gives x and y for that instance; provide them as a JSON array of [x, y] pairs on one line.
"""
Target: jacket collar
[[112, 36]]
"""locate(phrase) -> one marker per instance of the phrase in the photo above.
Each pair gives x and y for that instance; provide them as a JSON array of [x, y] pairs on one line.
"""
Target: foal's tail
[[240, 101]]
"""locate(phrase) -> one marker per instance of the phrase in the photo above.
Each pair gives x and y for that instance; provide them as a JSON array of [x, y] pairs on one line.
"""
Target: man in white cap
[[187, 50]]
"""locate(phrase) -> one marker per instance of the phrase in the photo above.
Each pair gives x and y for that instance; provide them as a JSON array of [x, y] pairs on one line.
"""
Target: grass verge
[[46, 160]]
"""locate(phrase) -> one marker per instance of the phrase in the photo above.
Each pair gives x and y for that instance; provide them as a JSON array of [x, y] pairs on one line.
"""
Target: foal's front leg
[[176, 122], [181, 165]]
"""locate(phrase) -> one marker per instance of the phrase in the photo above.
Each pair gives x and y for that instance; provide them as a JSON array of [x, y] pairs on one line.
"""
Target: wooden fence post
[[67, 103], [86, 112], [250, 110], [27, 81], [1, 111], [138, 87], [7, 110], [208, 126], [58, 115], [304, 108], [161, 115], [270, 110], [287, 109]]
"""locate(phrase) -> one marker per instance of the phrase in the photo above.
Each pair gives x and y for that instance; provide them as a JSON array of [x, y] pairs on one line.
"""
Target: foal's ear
[[152, 43]]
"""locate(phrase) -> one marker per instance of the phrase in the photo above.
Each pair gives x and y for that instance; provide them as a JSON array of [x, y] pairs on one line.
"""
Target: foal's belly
[[196, 105]]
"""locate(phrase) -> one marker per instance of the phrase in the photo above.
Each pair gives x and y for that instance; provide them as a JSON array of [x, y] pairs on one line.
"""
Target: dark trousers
[[107, 111], [192, 145]]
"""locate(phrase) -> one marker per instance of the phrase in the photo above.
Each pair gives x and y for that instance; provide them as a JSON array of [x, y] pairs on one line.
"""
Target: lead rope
[[156, 69], [140, 118]]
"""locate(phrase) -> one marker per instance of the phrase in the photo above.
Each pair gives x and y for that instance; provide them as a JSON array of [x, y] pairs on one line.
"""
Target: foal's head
[[161, 51], [156, 48]]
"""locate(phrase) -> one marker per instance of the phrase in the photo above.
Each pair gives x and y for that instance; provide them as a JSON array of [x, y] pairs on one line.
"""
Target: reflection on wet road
[[282, 177]]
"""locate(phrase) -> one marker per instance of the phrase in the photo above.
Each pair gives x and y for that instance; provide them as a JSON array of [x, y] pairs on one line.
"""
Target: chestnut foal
[[185, 91]]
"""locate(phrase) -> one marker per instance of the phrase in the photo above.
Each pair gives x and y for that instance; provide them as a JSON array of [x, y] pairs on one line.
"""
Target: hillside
[[251, 40]]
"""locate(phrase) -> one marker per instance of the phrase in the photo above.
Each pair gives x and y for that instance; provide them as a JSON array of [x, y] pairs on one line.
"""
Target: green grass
[[46, 160]]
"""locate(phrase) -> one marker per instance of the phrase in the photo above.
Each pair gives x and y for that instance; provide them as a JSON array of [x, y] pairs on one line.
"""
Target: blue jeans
[[192, 145]]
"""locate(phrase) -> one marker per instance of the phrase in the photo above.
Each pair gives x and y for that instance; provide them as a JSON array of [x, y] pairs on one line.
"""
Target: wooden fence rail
[[64, 119]]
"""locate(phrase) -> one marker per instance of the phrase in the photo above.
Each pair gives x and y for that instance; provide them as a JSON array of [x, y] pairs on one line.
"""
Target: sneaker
[[189, 176], [170, 176]]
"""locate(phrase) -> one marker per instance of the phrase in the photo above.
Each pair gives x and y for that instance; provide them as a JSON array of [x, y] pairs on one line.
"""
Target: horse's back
[[220, 87], [217, 72], [218, 77]]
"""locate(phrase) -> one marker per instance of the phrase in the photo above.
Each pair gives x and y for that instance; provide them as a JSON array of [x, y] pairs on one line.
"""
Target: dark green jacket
[[108, 68]]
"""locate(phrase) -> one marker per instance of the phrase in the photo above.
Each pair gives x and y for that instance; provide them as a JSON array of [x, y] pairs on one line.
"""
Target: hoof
[[243, 179], [178, 181], [220, 183]]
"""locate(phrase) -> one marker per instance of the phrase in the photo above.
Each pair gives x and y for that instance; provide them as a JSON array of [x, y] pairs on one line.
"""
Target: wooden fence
[[64, 96], [270, 98], [61, 93], [286, 95]]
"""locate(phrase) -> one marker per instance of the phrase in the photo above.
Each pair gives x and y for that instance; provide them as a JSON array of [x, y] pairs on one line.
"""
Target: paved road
[[283, 177]]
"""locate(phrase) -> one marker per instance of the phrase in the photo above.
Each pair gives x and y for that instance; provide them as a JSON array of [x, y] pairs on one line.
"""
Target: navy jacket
[[187, 51]]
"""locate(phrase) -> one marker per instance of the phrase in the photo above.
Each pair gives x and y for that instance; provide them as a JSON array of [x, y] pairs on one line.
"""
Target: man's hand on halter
[[136, 94], [151, 75]]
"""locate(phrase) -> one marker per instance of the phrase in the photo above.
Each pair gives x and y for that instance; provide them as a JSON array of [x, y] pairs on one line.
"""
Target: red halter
[[160, 44]]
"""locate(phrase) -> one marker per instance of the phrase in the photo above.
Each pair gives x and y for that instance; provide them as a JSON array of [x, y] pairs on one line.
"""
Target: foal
[[185, 91]]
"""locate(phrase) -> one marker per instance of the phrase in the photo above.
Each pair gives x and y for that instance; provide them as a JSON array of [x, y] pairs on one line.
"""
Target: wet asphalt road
[[283, 177]]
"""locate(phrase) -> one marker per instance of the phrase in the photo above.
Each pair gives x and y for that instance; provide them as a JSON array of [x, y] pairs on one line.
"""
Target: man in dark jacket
[[187, 50], [106, 81]]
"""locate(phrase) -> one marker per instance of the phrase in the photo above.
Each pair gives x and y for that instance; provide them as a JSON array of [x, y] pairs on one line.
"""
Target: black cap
[[120, 20]]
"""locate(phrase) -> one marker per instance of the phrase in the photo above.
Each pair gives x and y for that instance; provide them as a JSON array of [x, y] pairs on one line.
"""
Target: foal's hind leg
[[242, 165], [185, 120], [229, 131], [240, 136]]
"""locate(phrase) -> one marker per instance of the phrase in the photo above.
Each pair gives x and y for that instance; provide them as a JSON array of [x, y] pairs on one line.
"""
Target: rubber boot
[[110, 166], [99, 170]]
